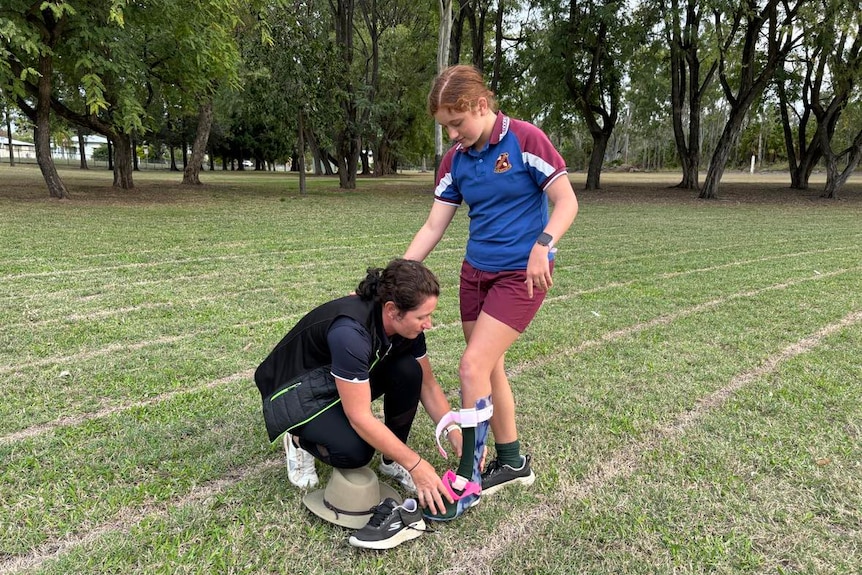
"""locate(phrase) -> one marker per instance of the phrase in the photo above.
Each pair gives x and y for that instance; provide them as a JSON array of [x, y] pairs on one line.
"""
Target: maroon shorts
[[502, 295]]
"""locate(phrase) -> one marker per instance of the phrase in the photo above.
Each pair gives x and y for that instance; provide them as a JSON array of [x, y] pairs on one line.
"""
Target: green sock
[[509, 454], [465, 466]]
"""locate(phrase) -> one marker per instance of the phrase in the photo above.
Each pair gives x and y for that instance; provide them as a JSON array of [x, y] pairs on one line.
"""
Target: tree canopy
[[342, 83]]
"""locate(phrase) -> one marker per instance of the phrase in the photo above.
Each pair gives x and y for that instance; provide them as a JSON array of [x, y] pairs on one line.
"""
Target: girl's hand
[[539, 270]]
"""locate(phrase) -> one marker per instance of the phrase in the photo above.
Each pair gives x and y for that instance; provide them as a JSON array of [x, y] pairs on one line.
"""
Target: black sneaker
[[497, 476], [390, 525]]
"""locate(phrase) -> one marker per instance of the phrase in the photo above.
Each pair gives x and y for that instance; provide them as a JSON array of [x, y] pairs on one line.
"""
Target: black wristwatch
[[545, 239]]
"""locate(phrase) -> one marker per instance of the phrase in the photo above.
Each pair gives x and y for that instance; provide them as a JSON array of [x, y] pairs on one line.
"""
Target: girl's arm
[[429, 235], [565, 202]]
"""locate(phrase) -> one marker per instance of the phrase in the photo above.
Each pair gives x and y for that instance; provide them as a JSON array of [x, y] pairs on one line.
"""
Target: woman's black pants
[[330, 437]]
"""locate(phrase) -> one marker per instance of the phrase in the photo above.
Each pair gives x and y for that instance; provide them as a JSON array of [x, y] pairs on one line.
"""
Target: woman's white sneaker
[[300, 465], [397, 472]]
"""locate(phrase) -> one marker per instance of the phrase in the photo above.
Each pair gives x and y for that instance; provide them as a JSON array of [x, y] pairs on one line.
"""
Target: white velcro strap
[[445, 421], [465, 418], [473, 417]]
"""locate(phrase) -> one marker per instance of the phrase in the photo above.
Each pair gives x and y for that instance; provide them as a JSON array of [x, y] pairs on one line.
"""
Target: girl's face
[[471, 128]]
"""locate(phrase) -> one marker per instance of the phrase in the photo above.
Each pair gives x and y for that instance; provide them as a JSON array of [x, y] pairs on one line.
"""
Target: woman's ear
[[390, 310]]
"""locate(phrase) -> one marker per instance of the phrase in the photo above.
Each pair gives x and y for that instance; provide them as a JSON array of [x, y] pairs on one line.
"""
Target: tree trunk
[[56, 187], [835, 176], [498, 46], [82, 149], [597, 158], [123, 162], [384, 159], [443, 39], [685, 79], [300, 156], [347, 136], [778, 39], [363, 158], [721, 154], [9, 136], [192, 171]]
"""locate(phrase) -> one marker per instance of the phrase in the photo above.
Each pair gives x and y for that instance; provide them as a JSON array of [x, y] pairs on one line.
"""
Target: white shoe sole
[[525, 481], [408, 487], [412, 532]]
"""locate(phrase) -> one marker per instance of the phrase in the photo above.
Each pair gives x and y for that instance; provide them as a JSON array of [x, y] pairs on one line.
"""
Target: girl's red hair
[[459, 88]]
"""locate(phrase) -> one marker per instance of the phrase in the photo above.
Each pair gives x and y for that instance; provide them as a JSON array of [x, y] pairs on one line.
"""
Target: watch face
[[544, 239]]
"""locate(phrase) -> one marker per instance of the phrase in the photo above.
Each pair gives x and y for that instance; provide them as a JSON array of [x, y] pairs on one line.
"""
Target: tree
[[688, 83], [753, 42], [822, 69], [7, 115], [30, 42], [443, 36], [396, 75], [585, 50], [347, 132], [845, 67], [168, 49]]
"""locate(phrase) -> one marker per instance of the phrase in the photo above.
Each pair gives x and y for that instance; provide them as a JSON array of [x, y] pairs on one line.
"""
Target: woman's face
[[470, 128], [409, 324]]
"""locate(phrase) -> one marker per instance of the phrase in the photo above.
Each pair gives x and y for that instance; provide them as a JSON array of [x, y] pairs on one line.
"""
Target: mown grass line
[[124, 524]]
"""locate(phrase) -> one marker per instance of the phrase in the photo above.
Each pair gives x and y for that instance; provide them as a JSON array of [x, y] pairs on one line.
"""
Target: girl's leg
[[487, 342], [503, 424]]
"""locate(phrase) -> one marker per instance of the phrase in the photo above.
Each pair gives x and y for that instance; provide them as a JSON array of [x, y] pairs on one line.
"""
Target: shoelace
[[492, 468], [381, 512]]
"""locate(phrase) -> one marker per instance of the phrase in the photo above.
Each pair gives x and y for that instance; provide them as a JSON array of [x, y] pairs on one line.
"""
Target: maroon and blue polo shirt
[[504, 187]]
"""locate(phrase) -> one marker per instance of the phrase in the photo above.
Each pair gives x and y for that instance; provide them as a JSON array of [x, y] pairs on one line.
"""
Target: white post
[[753, 157]]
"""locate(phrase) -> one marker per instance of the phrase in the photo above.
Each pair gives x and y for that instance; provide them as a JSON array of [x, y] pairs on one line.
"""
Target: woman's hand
[[430, 490]]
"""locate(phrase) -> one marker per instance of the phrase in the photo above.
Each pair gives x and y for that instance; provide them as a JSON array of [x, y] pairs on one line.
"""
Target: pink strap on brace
[[470, 488]]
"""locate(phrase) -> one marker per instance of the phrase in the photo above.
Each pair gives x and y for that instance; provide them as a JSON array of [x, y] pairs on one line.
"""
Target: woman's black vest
[[295, 380]]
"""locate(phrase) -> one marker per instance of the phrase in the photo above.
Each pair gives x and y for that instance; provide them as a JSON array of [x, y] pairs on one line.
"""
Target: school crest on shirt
[[502, 164]]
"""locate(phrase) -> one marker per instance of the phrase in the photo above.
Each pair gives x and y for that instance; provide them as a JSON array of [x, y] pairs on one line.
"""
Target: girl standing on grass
[[505, 170]]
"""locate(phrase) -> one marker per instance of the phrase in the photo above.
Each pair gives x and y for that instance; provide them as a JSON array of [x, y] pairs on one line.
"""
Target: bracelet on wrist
[[450, 428], [415, 466]]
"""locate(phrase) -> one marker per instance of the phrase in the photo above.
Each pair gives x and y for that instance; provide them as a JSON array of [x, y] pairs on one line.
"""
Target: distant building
[[19, 149], [27, 150]]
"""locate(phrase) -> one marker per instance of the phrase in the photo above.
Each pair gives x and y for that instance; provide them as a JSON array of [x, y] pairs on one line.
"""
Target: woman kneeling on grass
[[319, 381]]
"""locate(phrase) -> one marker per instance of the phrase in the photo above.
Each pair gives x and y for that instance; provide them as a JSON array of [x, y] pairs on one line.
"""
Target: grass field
[[691, 392]]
